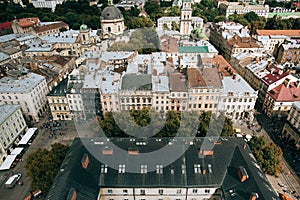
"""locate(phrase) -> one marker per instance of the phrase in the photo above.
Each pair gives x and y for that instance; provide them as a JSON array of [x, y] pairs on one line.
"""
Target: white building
[[29, 91], [269, 42], [238, 98], [12, 125], [46, 3], [235, 7]]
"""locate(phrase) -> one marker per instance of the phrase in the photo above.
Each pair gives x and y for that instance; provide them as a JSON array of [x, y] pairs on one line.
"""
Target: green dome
[[84, 27]]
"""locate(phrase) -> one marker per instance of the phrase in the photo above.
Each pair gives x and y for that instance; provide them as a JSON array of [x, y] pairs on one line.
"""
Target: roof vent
[[85, 161], [253, 196], [107, 151]]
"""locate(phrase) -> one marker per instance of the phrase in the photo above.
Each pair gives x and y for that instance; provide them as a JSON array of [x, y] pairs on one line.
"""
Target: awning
[[17, 151], [27, 136], [8, 162]]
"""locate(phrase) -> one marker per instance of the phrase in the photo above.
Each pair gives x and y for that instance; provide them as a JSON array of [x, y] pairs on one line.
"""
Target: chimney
[[203, 170], [245, 145], [107, 151], [253, 196], [242, 173], [280, 72], [85, 161], [234, 77], [207, 152], [72, 194]]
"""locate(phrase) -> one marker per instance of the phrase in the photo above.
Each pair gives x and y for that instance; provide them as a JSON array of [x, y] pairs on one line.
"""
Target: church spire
[[110, 2]]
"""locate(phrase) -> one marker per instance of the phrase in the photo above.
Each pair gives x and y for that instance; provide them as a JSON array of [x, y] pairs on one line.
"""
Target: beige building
[[291, 129], [205, 87], [58, 102]]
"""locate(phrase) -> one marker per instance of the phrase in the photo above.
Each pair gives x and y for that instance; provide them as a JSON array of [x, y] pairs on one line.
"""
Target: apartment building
[[13, 126], [236, 7], [46, 4], [29, 91], [58, 102], [291, 128], [287, 53], [198, 172], [238, 98], [205, 87], [279, 100]]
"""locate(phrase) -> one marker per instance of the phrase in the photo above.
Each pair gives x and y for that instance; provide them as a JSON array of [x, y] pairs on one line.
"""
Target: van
[[11, 182]]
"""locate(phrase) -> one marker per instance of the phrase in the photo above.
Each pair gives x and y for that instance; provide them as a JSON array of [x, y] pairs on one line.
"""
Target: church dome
[[111, 13], [84, 27]]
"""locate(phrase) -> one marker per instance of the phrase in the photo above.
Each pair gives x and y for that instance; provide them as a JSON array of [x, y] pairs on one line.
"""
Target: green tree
[[267, 155], [43, 165]]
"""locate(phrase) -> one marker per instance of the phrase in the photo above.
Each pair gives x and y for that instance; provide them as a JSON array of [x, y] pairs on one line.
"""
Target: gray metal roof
[[136, 82], [24, 84], [6, 111]]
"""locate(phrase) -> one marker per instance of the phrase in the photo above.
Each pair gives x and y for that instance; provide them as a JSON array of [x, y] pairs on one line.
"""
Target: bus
[[11, 182]]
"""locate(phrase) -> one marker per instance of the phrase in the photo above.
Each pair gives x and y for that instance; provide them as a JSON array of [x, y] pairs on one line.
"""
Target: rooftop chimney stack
[[85, 161], [253, 196]]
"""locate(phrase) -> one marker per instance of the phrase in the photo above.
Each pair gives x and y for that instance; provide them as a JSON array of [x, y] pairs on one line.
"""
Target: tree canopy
[[43, 165], [267, 155], [175, 123]]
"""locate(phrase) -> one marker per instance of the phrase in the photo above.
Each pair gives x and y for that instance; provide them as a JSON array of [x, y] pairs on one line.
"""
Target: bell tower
[[186, 18]]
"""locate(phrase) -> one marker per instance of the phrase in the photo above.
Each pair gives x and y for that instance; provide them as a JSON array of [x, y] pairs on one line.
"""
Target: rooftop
[[193, 49], [103, 169], [236, 85], [47, 27], [27, 22], [286, 92], [204, 77], [274, 76], [137, 82], [177, 82], [290, 33], [6, 111], [24, 84]]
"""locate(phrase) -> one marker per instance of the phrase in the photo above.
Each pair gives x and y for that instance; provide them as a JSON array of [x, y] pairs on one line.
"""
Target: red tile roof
[[48, 27], [286, 92], [224, 67], [278, 32], [27, 22], [204, 77], [274, 76], [5, 25]]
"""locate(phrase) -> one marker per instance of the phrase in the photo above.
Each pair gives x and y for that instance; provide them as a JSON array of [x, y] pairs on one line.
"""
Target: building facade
[[12, 125], [29, 91], [291, 129]]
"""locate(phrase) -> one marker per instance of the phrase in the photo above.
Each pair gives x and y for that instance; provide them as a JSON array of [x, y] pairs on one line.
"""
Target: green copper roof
[[193, 49], [283, 14]]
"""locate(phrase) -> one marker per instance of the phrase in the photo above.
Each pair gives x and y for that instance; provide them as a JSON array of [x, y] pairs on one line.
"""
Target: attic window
[[104, 169], [121, 169], [143, 169], [159, 169]]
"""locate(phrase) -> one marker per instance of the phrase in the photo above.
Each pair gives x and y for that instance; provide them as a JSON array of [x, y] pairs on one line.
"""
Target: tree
[[43, 165], [267, 155], [251, 16]]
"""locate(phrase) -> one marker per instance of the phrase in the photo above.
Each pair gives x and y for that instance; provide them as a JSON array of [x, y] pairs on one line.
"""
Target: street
[[42, 140]]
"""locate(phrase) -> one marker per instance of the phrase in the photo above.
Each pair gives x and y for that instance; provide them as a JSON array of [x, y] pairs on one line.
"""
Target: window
[[178, 191], [207, 191], [109, 191], [160, 192], [143, 192], [125, 191], [195, 191]]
